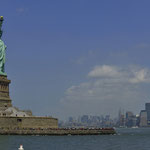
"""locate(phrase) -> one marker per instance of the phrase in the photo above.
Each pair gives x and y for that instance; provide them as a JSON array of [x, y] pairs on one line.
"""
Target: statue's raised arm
[[1, 22], [2, 50]]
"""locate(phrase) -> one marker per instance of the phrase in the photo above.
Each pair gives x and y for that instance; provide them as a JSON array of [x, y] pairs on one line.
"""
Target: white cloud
[[104, 71], [108, 89], [142, 75]]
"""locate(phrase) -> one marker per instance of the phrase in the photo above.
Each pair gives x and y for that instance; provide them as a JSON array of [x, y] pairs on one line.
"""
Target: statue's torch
[[1, 18]]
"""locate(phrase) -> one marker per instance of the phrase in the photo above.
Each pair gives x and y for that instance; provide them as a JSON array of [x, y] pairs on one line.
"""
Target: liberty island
[[22, 122]]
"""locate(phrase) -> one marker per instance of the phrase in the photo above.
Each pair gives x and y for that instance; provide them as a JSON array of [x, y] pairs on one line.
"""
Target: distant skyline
[[70, 58]]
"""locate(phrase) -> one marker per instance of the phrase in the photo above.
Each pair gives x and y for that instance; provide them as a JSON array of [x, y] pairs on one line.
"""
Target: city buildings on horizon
[[127, 119]]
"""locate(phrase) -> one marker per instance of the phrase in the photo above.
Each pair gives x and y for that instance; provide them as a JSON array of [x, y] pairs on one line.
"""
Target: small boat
[[21, 147]]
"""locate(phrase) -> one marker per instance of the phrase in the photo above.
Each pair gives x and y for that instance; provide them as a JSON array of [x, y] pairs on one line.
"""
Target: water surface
[[126, 139]]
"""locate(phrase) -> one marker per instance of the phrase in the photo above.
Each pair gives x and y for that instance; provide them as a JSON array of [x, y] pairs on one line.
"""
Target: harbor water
[[125, 139]]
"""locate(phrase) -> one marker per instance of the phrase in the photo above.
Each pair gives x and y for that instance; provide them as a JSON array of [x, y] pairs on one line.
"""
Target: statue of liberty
[[2, 50]]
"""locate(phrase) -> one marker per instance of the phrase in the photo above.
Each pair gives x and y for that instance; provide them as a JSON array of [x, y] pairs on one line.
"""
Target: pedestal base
[[5, 100]]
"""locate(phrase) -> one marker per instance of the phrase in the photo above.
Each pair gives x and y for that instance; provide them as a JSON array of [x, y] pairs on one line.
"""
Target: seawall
[[57, 131]]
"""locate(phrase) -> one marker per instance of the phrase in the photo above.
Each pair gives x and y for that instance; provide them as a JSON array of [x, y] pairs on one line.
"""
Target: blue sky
[[76, 57]]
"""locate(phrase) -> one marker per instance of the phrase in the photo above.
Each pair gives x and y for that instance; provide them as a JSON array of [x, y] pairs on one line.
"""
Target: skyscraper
[[147, 108], [143, 118]]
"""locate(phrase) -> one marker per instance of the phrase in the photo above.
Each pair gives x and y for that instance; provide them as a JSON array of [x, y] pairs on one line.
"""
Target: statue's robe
[[2, 56]]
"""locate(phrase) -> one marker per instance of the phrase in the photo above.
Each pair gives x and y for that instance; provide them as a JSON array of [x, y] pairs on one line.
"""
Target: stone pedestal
[[5, 100]]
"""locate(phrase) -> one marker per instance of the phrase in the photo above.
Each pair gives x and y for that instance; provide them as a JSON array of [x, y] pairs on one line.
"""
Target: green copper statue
[[2, 50]]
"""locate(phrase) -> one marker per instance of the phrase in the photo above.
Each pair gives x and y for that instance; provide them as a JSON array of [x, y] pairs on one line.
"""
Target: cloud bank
[[107, 89]]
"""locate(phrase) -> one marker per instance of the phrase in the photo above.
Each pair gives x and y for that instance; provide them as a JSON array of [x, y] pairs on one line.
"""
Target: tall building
[[129, 115], [130, 119], [147, 108], [84, 118], [143, 118], [121, 122]]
